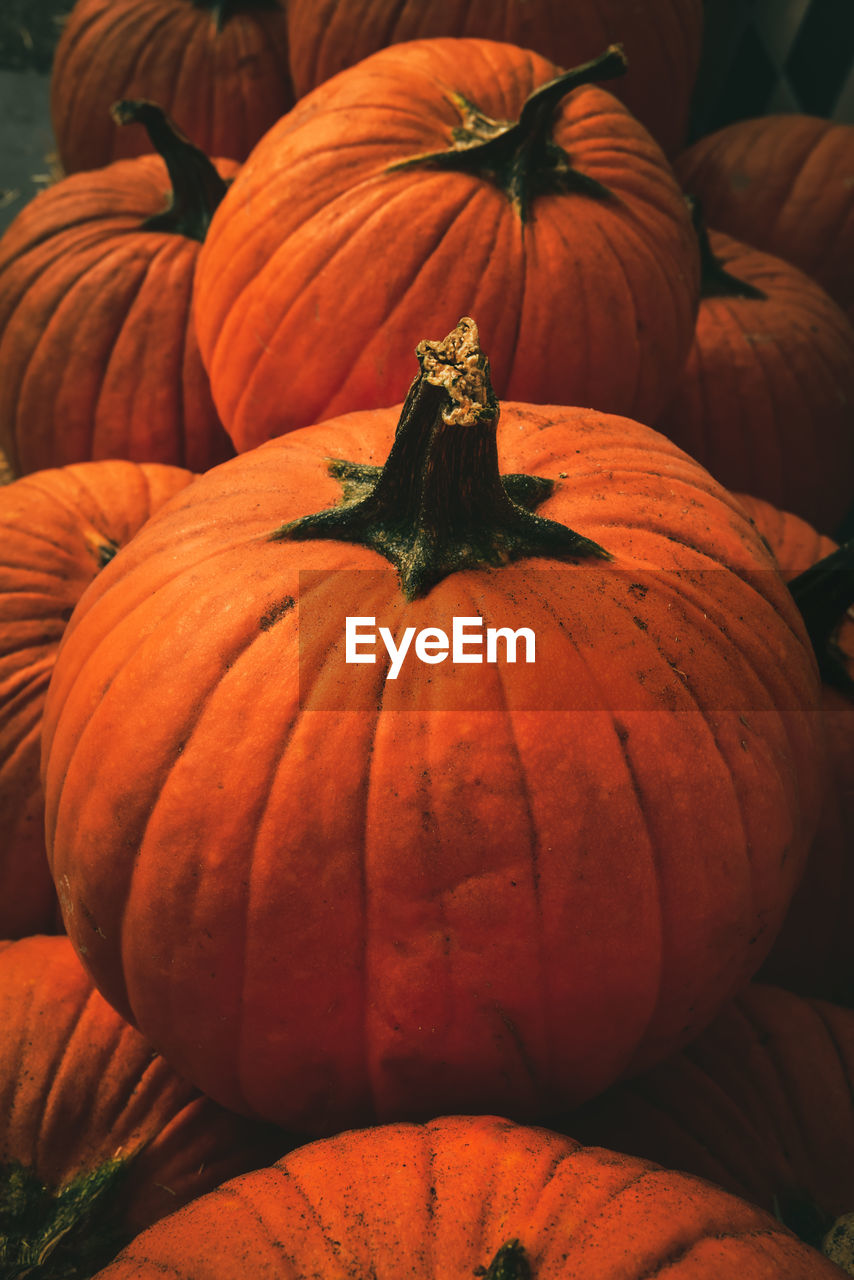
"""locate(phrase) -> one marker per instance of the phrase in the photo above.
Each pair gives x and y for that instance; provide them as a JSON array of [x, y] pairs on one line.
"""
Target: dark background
[[760, 56]]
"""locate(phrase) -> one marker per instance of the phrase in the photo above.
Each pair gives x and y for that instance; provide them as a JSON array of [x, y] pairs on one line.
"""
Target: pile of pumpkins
[[408, 314]]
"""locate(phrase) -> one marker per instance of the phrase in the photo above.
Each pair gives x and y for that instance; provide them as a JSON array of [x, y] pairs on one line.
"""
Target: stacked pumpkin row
[[328, 901]]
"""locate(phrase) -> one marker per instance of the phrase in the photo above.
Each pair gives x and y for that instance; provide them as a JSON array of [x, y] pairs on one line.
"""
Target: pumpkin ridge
[[115, 354], [28, 733], [544, 984], [241, 646], [241, 316], [10, 442], [681, 1253], [106, 264], [148, 23], [401, 297], [30, 680], [94, 655], [791, 1101], [69, 1043]]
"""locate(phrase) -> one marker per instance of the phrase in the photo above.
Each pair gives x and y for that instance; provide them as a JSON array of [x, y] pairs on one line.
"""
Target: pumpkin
[[766, 398], [98, 1138], [784, 183], [57, 531], [760, 1103], [330, 896], [661, 39], [814, 951], [399, 195], [98, 355], [218, 67], [467, 1196]]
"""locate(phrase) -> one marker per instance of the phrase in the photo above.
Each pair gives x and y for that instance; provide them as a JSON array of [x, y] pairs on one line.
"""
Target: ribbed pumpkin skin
[[400, 913], [55, 527], [78, 1086], [98, 354], [440, 1200], [760, 1103], [322, 269], [223, 87], [814, 951], [662, 42], [784, 184], [766, 399]]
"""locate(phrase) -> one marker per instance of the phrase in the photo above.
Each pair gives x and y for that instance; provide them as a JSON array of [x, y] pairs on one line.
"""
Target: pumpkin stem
[[509, 1263], [102, 547], [74, 1230], [715, 280], [824, 593], [838, 1244], [197, 187], [222, 10], [440, 505], [521, 156]]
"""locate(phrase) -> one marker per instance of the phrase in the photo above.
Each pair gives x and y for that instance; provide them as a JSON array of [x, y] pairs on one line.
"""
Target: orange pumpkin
[[766, 398], [661, 38], [57, 531], [814, 951], [99, 1137], [219, 67], [437, 179], [329, 896], [98, 354], [784, 184], [760, 1103], [463, 1197]]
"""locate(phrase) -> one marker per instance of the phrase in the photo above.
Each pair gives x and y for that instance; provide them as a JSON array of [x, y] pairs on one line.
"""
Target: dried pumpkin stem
[[838, 1244], [521, 156], [715, 280], [824, 593], [197, 187], [440, 504]]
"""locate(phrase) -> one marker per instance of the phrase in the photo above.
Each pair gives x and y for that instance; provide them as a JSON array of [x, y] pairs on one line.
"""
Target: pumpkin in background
[[94, 1127], [397, 197], [218, 67], [462, 1197], [328, 896], [766, 398], [814, 951], [760, 1103], [57, 531], [784, 183], [662, 40], [98, 354]]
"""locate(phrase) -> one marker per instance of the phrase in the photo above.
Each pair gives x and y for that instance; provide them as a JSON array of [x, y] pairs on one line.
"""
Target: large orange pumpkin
[[400, 195], [760, 1103], [661, 38], [98, 353], [327, 895], [57, 530], [98, 1136], [784, 183], [219, 67], [766, 398], [463, 1197]]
